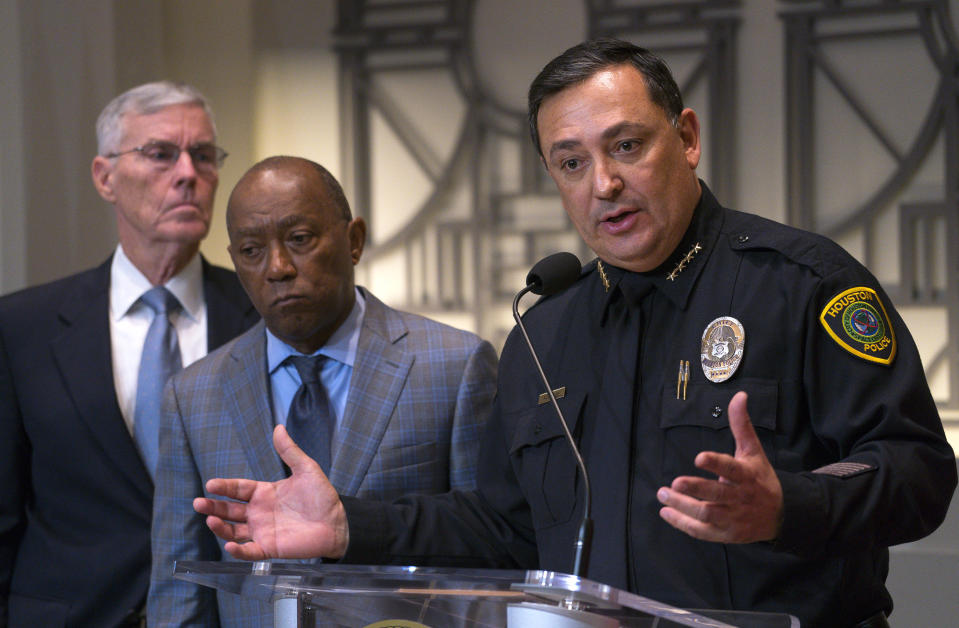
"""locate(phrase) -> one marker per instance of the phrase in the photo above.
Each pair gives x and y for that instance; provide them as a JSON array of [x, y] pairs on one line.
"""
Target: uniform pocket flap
[[540, 423], [707, 404]]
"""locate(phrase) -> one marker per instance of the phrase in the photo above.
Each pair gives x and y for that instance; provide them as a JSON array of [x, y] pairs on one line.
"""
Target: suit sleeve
[[892, 472], [15, 474], [474, 398], [488, 527], [178, 532]]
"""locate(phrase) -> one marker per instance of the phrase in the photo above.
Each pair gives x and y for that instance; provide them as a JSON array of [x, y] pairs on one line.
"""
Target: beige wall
[[12, 218], [59, 64]]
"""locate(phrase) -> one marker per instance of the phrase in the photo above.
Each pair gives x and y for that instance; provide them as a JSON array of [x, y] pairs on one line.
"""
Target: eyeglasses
[[164, 155]]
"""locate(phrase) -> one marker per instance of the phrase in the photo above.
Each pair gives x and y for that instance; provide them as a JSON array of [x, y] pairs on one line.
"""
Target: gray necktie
[[309, 421], [160, 359]]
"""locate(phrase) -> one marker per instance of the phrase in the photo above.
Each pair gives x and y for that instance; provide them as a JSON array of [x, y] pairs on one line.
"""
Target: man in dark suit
[[408, 397], [76, 495]]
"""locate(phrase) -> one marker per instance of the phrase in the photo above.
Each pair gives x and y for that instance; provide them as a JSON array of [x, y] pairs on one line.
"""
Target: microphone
[[550, 275], [554, 273]]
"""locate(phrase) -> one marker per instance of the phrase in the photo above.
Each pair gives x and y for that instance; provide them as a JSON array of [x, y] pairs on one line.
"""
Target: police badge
[[722, 348]]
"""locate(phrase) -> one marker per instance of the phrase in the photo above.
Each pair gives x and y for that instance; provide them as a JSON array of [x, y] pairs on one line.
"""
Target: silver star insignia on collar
[[602, 274], [683, 263]]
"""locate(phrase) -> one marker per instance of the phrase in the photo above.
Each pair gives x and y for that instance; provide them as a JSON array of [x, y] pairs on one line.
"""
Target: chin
[[187, 233], [634, 263]]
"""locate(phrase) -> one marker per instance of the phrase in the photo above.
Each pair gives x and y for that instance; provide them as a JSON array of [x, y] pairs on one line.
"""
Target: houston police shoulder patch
[[857, 320]]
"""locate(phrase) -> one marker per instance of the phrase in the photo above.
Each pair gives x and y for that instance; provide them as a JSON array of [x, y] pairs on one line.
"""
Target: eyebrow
[[284, 223], [563, 145], [246, 232], [607, 134], [198, 144], [292, 220], [617, 129]]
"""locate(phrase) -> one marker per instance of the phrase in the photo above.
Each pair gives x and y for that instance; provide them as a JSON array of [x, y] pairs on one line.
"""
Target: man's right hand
[[298, 517]]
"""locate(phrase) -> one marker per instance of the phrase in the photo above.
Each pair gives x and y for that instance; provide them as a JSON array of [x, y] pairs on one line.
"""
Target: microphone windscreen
[[554, 273]]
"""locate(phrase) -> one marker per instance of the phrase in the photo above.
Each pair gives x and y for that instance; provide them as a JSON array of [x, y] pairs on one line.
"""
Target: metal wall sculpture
[[487, 210], [917, 192]]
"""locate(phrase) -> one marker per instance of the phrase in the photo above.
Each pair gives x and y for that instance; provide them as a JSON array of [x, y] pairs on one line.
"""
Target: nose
[[607, 183], [184, 171], [280, 265]]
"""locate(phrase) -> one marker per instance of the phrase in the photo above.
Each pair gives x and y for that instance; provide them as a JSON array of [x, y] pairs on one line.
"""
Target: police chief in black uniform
[[783, 497]]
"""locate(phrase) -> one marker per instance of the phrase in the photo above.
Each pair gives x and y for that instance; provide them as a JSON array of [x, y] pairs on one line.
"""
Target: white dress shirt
[[130, 320]]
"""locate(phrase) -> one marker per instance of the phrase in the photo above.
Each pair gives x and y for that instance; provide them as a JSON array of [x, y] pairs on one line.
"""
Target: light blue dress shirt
[[336, 372]]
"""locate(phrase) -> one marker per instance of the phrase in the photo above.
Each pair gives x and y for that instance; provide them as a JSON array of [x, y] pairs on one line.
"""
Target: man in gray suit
[[408, 396]]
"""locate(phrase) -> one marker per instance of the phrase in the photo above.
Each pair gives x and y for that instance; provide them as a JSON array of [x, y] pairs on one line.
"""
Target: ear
[[102, 171], [689, 133], [356, 231]]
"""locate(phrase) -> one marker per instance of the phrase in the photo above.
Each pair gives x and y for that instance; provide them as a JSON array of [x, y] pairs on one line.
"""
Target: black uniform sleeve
[[488, 527], [892, 472]]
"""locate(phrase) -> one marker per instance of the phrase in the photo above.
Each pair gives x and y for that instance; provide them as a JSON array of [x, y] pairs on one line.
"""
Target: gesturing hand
[[743, 505], [298, 517]]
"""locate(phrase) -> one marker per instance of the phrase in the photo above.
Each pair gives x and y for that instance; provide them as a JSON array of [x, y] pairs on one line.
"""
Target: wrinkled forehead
[[185, 124], [251, 222], [280, 197]]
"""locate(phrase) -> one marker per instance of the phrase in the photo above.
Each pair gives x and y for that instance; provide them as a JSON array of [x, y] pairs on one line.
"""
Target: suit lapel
[[248, 391], [82, 352], [379, 375]]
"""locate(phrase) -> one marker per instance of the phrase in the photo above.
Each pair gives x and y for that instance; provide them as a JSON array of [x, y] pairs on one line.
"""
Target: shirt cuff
[[369, 542], [805, 519]]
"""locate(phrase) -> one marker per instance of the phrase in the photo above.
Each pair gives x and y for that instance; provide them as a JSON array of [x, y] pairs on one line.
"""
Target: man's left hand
[[744, 505]]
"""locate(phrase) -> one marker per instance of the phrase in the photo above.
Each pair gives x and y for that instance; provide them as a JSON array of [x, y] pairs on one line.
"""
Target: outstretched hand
[[745, 503], [298, 517]]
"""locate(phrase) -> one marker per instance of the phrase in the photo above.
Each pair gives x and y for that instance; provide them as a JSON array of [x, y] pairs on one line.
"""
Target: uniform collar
[[685, 264]]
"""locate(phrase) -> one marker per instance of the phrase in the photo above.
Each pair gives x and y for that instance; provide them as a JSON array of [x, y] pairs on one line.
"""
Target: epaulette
[[745, 232]]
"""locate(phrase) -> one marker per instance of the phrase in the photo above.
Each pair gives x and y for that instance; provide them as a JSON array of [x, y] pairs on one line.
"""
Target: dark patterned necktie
[[310, 421], [159, 360]]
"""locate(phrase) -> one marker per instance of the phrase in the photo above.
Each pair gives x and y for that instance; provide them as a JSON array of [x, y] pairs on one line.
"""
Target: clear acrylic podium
[[359, 596]]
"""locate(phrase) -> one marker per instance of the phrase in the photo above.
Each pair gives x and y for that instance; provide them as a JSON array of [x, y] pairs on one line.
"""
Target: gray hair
[[144, 100]]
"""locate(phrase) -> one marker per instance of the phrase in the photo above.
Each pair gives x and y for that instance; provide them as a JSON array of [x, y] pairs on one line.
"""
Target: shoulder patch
[[857, 320]]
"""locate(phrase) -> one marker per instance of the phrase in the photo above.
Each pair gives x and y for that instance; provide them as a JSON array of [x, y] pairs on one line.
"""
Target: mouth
[[183, 206], [618, 215], [621, 220], [288, 299]]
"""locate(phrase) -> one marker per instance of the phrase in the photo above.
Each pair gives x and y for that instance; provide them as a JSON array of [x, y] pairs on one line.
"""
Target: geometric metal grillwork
[[484, 209], [915, 150]]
